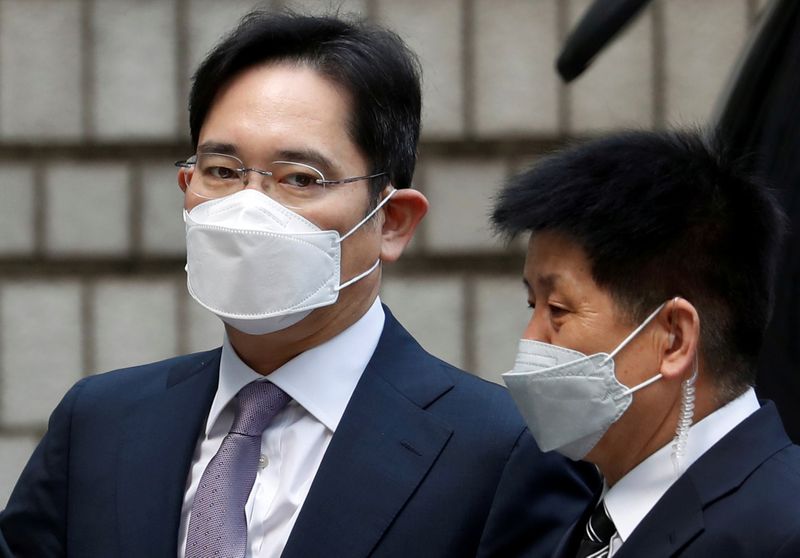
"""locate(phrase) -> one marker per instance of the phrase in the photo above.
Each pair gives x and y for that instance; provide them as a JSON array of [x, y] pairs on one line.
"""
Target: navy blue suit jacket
[[740, 499], [427, 461]]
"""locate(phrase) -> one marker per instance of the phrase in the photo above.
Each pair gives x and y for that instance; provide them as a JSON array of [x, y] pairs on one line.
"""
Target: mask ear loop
[[359, 276], [627, 340], [633, 334], [354, 229], [369, 215]]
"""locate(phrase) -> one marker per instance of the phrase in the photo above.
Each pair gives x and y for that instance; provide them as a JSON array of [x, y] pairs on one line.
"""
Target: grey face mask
[[569, 399]]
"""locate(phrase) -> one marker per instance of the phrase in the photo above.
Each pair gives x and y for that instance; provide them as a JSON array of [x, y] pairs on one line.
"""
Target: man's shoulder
[[762, 468], [399, 347], [787, 464], [776, 480], [761, 515], [462, 399], [483, 413], [738, 499], [137, 379], [103, 401], [755, 458], [763, 451], [478, 390]]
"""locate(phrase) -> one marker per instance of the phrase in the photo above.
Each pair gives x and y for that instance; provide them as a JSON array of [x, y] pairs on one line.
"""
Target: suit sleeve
[[34, 521], [540, 495]]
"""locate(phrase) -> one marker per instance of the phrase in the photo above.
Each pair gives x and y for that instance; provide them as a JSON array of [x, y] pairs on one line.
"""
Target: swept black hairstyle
[[371, 63], [662, 215]]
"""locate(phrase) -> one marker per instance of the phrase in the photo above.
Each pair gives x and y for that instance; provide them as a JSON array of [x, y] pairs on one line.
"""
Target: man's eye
[[299, 179], [223, 173], [556, 311]]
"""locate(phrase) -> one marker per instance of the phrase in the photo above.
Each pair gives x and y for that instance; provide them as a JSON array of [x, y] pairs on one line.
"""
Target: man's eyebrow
[[546, 281], [217, 147], [304, 155], [308, 156]]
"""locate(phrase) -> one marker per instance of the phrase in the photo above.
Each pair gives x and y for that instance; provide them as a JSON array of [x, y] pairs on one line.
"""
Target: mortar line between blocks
[[468, 324], [563, 11], [468, 66], [88, 319], [659, 66], [87, 69]]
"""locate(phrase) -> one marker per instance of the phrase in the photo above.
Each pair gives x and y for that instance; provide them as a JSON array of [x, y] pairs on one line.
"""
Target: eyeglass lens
[[289, 183]]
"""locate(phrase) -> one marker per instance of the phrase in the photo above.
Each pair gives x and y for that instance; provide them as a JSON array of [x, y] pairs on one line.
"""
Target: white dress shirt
[[320, 382], [635, 494]]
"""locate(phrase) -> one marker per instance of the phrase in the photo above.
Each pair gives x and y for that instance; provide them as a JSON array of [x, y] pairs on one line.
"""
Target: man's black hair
[[371, 63], [662, 215]]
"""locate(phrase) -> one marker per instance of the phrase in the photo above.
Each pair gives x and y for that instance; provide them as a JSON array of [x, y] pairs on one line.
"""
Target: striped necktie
[[597, 534]]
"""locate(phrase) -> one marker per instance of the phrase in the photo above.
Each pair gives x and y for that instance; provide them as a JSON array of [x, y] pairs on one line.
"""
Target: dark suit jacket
[[740, 499], [426, 461]]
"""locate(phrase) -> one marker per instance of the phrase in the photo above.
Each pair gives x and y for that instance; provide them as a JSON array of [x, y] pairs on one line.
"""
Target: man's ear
[[681, 339], [402, 213], [184, 177]]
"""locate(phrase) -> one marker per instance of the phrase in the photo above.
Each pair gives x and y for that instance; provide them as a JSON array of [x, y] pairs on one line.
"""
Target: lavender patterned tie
[[217, 526]]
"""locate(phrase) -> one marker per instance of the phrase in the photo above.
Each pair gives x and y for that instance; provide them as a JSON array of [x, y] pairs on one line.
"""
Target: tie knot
[[258, 403], [600, 527], [596, 534]]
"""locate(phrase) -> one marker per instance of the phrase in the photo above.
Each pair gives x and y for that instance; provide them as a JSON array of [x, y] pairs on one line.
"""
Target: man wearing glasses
[[320, 428]]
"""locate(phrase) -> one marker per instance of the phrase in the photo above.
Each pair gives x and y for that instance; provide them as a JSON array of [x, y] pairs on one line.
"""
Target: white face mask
[[568, 399], [259, 266]]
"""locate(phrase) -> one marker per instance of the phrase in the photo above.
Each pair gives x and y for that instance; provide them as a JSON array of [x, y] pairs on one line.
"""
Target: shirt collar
[[635, 494], [321, 380]]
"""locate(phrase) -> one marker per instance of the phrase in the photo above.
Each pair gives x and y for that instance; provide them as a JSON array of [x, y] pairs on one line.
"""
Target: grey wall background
[[93, 113]]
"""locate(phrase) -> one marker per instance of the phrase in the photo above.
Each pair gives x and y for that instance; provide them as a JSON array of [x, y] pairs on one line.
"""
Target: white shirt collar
[[635, 494], [321, 380]]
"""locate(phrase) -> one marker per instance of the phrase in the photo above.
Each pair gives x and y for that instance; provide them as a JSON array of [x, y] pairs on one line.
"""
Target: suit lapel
[[677, 518], [672, 524], [568, 545], [159, 439], [384, 446]]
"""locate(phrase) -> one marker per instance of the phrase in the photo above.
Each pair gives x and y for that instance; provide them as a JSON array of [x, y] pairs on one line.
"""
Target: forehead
[[553, 260], [282, 107], [557, 265]]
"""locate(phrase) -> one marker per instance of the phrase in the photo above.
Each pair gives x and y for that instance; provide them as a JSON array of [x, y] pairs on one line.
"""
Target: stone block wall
[[93, 113]]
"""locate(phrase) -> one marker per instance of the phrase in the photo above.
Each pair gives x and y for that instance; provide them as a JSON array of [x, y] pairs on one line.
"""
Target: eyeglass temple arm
[[349, 180]]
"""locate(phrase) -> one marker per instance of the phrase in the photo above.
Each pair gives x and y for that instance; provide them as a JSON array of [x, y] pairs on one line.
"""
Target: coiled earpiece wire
[[687, 410]]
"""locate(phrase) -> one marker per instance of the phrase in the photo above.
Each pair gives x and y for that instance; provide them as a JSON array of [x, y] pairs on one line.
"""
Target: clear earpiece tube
[[684, 419]]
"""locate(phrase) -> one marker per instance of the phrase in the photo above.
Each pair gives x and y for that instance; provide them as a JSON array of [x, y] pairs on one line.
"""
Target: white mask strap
[[368, 217], [644, 384], [360, 276], [633, 334]]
